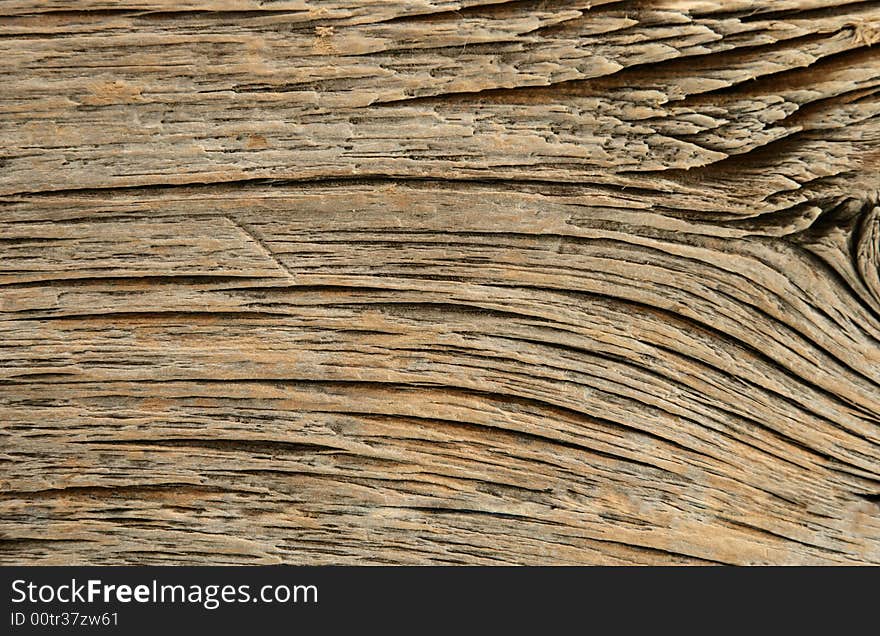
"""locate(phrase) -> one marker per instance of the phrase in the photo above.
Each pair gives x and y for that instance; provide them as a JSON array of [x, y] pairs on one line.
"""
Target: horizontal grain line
[[181, 488], [265, 446], [528, 185]]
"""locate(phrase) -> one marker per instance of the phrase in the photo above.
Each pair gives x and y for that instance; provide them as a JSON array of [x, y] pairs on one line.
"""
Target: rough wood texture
[[422, 281]]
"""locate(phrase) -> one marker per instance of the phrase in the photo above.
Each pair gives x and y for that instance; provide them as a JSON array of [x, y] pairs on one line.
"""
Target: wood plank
[[440, 282]]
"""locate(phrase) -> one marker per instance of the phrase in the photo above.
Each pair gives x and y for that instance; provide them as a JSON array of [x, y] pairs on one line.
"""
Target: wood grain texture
[[419, 281]]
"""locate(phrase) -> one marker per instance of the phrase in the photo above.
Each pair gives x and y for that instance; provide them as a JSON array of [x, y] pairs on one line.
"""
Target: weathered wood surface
[[421, 281]]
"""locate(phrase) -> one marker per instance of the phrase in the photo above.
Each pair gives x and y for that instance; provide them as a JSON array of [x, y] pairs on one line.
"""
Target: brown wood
[[424, 281]]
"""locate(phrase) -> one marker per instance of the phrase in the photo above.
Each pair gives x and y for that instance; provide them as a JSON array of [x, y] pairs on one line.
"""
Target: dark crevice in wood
[[249, 446], [776, 535], [130, 490], [847, 7], [536, 184], [870, 497]]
